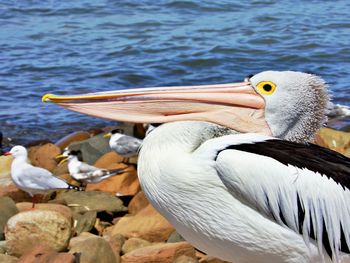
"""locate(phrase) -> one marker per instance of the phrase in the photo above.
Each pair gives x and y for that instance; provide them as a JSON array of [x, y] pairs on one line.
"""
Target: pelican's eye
[[266, 87]]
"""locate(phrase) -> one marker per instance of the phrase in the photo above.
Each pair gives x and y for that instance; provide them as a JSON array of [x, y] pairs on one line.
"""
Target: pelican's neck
[[184, 136]]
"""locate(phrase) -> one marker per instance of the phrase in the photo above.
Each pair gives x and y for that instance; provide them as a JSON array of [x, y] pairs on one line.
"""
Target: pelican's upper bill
[[268, 103]]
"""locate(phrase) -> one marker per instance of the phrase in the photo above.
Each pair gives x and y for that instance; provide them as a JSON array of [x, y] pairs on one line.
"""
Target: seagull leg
[[33, 201]]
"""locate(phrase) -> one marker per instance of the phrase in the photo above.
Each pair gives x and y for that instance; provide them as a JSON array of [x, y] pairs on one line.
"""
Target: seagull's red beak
[[7, 153], [236, 106]]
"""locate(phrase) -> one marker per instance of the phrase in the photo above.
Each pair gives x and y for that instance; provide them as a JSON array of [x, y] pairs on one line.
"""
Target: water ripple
[[83, 46]]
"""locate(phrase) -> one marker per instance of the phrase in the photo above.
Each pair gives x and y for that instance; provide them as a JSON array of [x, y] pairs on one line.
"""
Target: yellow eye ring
[[266, 87]]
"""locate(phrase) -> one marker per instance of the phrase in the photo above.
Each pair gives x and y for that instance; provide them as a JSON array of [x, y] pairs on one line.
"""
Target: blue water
[[68, 47]]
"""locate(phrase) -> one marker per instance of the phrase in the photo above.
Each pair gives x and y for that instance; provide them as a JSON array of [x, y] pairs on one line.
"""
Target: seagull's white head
[[289, 105], [68, 155], [18, 151]]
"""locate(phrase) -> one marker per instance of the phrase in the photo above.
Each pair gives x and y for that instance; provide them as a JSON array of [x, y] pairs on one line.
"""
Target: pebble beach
[[110, 221]]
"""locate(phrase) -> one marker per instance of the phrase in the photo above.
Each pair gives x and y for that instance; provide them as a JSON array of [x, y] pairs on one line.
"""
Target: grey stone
[[94, 249], [91, 201], [92, 149], [8, 209], [85, 221], [175, 237]]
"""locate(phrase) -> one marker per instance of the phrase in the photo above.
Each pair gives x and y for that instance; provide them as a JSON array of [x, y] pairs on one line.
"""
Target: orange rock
[[44, 156], [45, 254], [185, 259], [5, 170], [116, 242], [8, 259], [336, 140], [64, 210], [147, 224], [134, 243], [94, 249], [26, 229], [209, 259], [123, 184], [81, 238], [107, 159], [15, 193], [160, 253], [137, 203], [73, 137]]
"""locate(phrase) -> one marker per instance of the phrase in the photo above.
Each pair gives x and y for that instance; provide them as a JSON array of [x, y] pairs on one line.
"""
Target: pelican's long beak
[[236, 106]]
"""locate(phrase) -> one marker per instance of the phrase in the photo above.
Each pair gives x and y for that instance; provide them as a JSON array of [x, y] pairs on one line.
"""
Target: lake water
[[69, 47]]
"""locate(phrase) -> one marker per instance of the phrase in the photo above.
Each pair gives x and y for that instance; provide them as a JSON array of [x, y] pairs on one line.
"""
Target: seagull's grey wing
[[127, 146], [40, 179], [86, 168]]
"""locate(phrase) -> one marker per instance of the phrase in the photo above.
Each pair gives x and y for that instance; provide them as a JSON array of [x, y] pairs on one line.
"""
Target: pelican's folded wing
[[302, 186]]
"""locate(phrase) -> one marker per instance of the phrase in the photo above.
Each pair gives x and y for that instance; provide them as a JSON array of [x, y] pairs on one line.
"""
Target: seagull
[[124, 145], [233, 169], [83, 172], [31, 179], [338, 111]]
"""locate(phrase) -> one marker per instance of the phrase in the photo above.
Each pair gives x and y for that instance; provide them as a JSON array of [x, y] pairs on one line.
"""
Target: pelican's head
[[17, 151], [289, 105], [295, 103]]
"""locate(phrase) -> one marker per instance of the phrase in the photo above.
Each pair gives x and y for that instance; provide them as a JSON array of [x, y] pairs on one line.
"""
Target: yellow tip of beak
[[61, 156], [108, 135], [47, 97]]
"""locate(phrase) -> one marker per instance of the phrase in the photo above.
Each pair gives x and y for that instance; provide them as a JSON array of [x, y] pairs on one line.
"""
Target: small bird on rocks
[[124, 145], [31, 179], [83, 172]]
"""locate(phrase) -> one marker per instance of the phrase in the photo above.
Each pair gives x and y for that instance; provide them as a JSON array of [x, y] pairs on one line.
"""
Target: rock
[[14, 193], [8, 209], [3, 247], [209, 259], [82, 237], [147, 224], [91, 201], [175, 237], [64, 210], [92, 149], [134, 243], [85, 221], [336, 140], [45, 254], [160, 253], [7, 187], [120, 185], [93, 249], [107, 159], [44, 156], [61, 169], [138, 202], [26, 229], [185, 259], [5, 171], [116, 242], [73, 137], [8, 259]]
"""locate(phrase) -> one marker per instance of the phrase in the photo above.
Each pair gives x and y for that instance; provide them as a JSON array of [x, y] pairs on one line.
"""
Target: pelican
[[232, 168]]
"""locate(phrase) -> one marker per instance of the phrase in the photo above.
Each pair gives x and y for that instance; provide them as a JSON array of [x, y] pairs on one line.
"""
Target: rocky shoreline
[[110, 222]]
